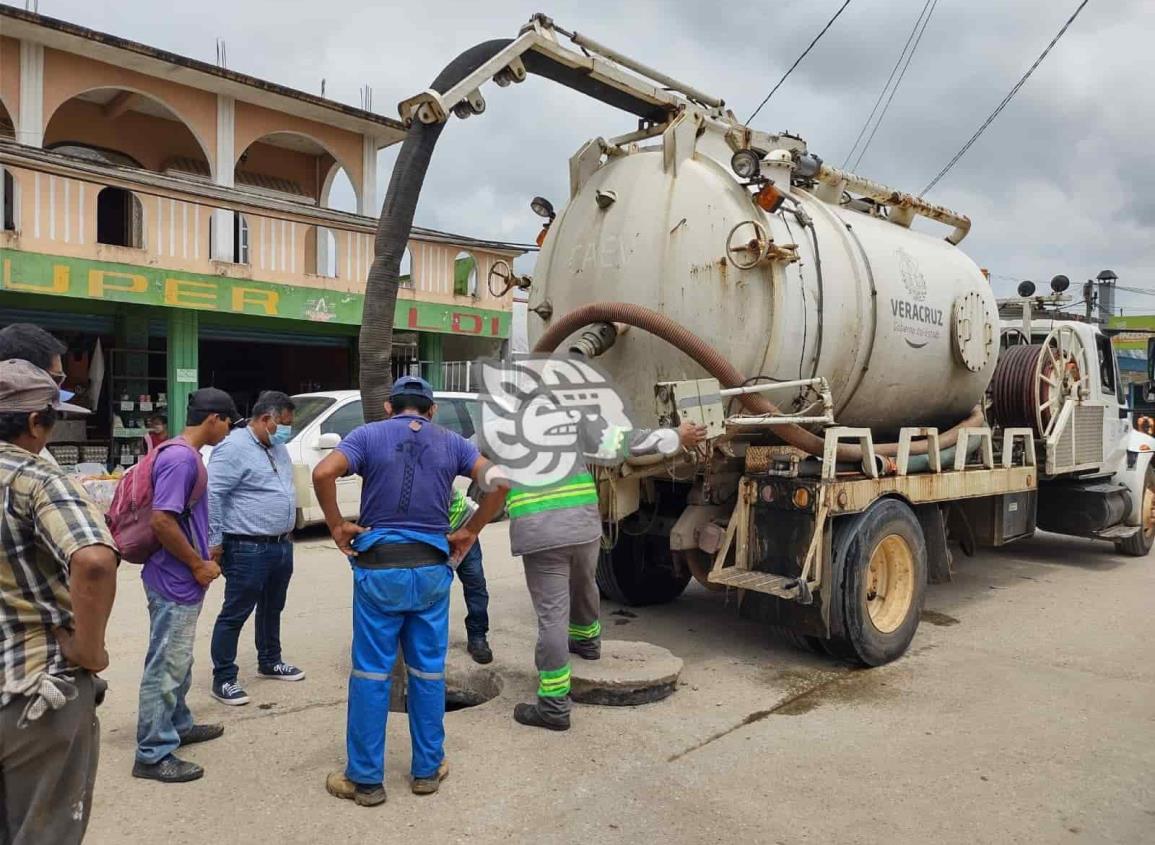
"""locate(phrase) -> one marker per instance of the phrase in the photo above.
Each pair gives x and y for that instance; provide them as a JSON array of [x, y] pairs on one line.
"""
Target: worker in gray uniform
[[557, 530]]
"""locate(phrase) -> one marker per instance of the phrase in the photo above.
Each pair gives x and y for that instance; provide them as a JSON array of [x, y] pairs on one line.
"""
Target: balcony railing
[[455, 376], [69, 207]]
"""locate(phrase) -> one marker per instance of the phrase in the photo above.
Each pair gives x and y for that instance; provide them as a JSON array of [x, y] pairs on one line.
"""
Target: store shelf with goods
[[134, 400]]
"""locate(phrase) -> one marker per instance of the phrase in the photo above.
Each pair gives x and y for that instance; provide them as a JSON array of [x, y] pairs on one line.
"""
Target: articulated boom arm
[[624, 83], [596, 71]]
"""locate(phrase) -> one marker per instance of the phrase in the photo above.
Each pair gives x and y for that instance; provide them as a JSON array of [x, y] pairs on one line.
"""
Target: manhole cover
[[628, 673]]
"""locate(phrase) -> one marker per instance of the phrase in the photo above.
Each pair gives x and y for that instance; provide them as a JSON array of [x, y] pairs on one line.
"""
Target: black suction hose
[[396, 220], [393, 228]]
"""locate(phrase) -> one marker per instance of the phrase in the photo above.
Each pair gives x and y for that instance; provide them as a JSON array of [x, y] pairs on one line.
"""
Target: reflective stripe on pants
[[564, 592], [410, 608]]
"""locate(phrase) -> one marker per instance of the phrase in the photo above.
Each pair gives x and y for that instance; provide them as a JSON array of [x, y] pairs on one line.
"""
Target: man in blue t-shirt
[[401, 550], [176, 577]]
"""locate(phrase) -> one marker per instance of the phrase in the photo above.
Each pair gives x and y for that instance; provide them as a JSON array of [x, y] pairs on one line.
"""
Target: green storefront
[[165, 333]]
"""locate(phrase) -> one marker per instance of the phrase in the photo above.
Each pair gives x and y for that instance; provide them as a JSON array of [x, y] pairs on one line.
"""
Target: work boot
[[530, 714], [201, 733], [170, 769], [338, 785], [429, 785], [586, 649], [479, 650]]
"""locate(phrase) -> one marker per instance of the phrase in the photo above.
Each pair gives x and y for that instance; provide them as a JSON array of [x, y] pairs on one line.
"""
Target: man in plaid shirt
[[57, 583]]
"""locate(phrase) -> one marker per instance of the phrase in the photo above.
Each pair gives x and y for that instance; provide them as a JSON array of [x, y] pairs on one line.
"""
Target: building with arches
[[183, 214]]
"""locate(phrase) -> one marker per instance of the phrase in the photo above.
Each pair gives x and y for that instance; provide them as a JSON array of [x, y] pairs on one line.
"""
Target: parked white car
[[323, 419]]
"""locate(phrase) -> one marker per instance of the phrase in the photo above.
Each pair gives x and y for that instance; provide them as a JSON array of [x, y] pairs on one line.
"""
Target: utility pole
[[1089, 297]]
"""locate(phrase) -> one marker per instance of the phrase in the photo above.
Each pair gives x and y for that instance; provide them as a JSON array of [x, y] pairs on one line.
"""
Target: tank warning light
[[769, 199], [543, 208], [1026, 288], [746, 164]]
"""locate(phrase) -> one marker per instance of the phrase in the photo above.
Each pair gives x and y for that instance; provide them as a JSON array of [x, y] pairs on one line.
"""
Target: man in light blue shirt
[[252, 510]]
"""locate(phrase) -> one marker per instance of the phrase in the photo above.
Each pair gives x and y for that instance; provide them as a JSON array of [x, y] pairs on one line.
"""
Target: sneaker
[[168, 769], [231, 693], [479, 650], [362, 794], [201, 733], [429, 785], [281, 672], [529, 714]]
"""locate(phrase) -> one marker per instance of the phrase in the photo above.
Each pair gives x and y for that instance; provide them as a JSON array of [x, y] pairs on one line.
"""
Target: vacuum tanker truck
[[867, 408]]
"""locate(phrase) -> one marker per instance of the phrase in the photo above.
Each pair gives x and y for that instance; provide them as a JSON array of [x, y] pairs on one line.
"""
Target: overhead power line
[[886, 87], [1136, 290], [798, 61], [894, 90], [1005, 101]]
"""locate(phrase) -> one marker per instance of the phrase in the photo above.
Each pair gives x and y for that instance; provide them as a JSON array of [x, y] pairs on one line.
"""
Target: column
[[183, 376], [222, 220], [367, 204], [132, 333], [30, 121], [430, 354]]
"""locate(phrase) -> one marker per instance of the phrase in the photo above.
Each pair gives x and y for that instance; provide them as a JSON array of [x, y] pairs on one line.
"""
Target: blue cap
[[412, 386]]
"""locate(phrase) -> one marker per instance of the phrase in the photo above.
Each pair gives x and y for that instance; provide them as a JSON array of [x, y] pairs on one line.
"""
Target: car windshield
[[308, 409]]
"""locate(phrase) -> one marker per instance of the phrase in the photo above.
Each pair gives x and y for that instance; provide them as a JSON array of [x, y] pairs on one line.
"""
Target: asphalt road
[[1024, 712]]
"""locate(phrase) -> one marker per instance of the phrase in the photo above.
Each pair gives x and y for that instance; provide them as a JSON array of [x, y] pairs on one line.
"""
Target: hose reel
[[1032, 382]]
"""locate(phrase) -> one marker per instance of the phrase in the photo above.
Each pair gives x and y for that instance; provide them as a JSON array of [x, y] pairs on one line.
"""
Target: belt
[[399, 556], [258, 538]]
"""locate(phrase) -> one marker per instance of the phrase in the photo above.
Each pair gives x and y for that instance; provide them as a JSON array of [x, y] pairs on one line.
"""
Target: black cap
[[212, 400]]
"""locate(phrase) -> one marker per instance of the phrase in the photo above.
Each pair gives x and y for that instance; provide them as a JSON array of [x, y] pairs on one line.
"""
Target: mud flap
[[938, 557]]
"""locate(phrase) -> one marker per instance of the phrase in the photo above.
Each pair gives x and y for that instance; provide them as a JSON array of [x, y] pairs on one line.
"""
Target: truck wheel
[[802, 642], [639, 570], [1139, 543], [883, 581]]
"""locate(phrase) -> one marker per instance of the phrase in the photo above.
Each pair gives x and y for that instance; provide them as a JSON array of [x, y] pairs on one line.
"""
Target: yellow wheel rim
[[890, 583], [1148, 509]]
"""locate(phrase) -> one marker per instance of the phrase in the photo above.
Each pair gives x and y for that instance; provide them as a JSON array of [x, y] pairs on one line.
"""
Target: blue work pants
[[409, 607]]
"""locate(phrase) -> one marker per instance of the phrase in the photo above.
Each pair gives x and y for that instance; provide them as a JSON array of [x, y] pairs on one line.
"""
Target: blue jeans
[[409, 607], [472, 577], [256, 576], [163, 715]]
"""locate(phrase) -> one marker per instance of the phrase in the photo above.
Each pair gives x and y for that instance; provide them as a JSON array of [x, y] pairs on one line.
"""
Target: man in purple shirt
[[175, 578], [400, 549]]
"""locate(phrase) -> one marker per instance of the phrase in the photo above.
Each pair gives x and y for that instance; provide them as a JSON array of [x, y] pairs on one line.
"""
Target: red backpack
[[129, 517]]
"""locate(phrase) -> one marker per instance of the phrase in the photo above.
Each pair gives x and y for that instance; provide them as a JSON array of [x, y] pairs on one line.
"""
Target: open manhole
[[470, 687]]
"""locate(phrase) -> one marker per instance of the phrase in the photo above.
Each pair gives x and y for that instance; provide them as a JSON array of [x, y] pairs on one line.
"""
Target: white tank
[[901, 325]]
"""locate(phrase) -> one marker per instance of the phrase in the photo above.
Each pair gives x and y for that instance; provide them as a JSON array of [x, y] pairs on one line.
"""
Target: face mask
[[282, 435]]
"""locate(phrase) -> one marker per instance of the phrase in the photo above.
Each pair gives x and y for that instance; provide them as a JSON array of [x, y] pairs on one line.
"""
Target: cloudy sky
[[1062, 182]]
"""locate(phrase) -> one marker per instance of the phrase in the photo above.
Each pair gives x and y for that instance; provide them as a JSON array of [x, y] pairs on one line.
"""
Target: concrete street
[[1024, 712]]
